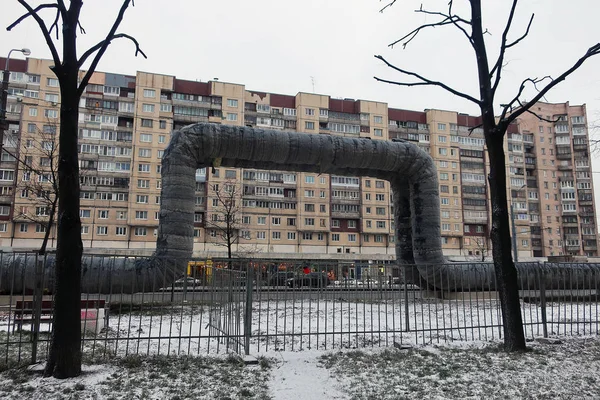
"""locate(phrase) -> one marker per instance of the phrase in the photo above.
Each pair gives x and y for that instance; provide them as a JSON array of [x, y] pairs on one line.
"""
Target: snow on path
[[298, 376]]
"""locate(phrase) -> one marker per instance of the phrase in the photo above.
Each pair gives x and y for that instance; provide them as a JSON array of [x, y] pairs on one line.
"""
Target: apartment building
[[126, 122]]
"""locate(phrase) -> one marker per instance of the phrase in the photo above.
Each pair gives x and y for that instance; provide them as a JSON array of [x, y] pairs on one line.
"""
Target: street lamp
[[514, 228], [4, 94]]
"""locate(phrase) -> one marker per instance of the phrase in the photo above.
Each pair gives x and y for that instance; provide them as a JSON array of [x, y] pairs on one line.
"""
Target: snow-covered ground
[[568, 369]]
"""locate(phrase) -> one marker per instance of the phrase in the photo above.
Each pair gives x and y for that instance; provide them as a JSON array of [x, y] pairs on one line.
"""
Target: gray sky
[[277, 45]]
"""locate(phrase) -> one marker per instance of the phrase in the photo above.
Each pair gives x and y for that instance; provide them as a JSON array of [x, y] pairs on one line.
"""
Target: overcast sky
[[278, 45]]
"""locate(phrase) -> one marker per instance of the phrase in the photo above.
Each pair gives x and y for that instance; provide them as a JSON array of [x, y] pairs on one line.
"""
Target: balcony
[[345, 214], [190, 118], [580, 146], [564, 156], [345, 201]]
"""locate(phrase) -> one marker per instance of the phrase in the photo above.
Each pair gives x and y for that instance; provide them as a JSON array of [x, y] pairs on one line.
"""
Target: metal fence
[[256, 306]]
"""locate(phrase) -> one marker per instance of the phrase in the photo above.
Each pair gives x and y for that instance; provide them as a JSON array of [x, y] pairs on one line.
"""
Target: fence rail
[[272, 305]]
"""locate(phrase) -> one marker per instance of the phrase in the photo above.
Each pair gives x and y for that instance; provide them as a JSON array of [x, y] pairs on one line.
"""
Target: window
[[51, 98], [102, 230], [232, 116], [441, 127], [142, 167], [263, 108], [143, 199], [291, 235], [335, 237], [149, 93], [232, 103], [51, 113], [378, 119], [148, 108], [121, 231], [145, 138], [143, 183], [378, 132], [141, 215], [309, 221], [309, 125], [144, 152], [261, 235], [443, 151], [380, 224], [309, 179], [140, 231], [276, 221], [146, 123], [276, 235], [309, 111], [53, 82], [380, 197], [262, 220]]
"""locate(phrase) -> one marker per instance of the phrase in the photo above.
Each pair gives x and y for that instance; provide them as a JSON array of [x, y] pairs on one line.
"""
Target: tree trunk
[[506, 273], [65, 350], [42, 250]]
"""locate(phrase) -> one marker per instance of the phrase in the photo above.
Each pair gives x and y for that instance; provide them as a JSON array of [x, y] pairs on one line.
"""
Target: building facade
[[126, 122]]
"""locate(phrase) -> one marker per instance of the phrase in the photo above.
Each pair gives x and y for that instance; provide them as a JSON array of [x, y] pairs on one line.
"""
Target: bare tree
[[481, 247], [471, 27], [38, 159], [226, 216], [64, 360]]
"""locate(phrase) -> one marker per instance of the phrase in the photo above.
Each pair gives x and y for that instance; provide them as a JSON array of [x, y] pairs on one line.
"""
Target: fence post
[[37, 306], [248, 309], [543, 302], [406, 308]]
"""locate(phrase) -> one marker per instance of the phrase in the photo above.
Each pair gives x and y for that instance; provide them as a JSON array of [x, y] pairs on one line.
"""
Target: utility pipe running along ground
[[410, 171]]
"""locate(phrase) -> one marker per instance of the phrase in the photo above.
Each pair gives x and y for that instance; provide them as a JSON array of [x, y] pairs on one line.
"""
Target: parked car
[[313, 279], [280, 278], [345, 282], [371, 283], [188, 281]]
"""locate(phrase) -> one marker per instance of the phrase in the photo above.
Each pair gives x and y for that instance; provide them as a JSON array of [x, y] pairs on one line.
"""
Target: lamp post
[[4, 94], [514, 228]]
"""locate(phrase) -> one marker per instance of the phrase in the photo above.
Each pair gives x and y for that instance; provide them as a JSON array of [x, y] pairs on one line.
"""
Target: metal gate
[[230, 315]]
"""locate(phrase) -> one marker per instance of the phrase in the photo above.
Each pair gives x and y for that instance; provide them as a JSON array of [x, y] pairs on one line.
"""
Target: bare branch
[[34, 13], [514, 43], [498, 64], [99, 45], [30, 13], [391, 3], [103, 46], [553, 121], [448, 19], [592, 51], [508, 108], [424, 81], [497, 68], [471, 129]]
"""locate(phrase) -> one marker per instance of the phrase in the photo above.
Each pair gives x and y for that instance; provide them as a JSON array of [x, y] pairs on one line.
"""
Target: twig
[[424, 81]]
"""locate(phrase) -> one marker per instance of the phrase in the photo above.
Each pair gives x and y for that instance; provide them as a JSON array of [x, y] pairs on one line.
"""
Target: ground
[[568, 368]]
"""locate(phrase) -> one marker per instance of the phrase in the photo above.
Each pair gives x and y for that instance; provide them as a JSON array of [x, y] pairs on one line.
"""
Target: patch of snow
[[297, 376]]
